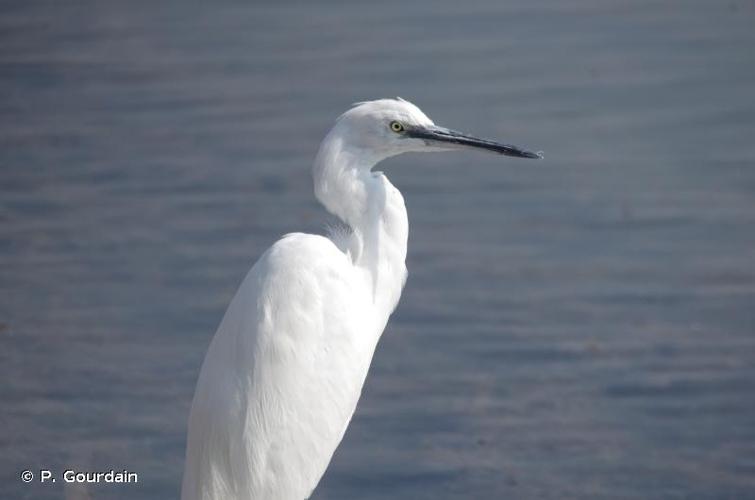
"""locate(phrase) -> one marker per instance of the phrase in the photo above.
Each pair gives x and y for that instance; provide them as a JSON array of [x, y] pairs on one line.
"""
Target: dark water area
[[581, 327]]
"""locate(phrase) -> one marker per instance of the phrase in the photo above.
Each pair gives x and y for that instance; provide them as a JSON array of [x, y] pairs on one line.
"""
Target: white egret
[[284, 372]]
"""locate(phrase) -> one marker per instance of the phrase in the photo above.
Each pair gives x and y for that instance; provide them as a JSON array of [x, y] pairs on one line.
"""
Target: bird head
[[387, 127]]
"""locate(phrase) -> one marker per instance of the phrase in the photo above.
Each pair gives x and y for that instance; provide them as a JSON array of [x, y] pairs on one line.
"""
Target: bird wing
[[282, 376]]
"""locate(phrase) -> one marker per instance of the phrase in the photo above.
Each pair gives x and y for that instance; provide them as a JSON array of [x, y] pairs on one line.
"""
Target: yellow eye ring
[[397, 127]]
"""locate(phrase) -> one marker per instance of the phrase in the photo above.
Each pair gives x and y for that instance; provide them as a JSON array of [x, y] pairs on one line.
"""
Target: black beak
[[451, 139]]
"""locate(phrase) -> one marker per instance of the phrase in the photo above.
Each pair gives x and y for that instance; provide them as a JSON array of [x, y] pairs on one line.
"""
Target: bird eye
[[397, 127]]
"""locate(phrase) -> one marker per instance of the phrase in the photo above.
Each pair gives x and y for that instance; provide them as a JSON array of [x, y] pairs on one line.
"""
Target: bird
[[285, 369]]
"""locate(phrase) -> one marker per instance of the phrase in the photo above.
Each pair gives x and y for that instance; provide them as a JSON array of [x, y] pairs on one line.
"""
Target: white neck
[[374, 210]]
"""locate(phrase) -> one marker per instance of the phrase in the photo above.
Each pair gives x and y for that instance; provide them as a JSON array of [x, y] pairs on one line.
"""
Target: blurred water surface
[[582, 327]]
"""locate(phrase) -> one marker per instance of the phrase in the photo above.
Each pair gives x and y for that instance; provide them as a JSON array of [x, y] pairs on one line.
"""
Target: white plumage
[[285, 369]]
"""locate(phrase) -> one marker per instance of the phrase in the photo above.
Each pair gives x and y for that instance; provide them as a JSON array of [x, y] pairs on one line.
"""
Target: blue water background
[[582, 327]]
